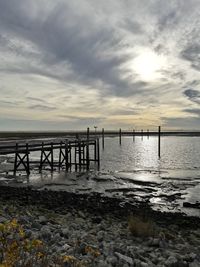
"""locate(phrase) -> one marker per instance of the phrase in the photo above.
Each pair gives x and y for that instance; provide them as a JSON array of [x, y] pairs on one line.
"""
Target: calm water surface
[[134, 172], [177, 153]]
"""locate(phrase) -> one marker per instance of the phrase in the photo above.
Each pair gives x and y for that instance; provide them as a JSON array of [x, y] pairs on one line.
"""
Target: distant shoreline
[[17, 135]]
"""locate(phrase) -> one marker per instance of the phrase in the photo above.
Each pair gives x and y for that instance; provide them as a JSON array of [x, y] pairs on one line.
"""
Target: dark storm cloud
[[192, 54], [93, 52], [192, 95]]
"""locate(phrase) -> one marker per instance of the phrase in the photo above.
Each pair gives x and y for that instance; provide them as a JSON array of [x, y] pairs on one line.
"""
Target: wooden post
[[133, 135], [16, 155], [87, 150], [79, 154], [98, 153], [103, 138], [95, 150], [66, 155], [142, 134], [27, 160], [60, 156], [41, 157], [148, 133], [52, 163], [159, 130], [120, 136], [88, 133], [75, 152]]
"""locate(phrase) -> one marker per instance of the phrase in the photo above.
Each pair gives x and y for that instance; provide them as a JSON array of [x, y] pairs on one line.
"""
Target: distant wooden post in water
[[142, 134], [148, 133], [98, 152], [159, 130], [87, 150], [103, 138], [133, 135], [120, 136]]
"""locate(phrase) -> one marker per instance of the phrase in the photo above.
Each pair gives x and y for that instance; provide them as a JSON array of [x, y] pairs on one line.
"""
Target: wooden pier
[[77, 154]]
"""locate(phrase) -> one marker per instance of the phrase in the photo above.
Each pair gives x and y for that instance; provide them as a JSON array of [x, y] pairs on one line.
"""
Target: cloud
[[192, 54], [193, 95], [76, 58], [194, 111], [42, 107], [91, 50], [190, 123]]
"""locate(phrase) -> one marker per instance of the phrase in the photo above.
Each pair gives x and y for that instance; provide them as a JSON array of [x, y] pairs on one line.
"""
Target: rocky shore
[[95, 230]]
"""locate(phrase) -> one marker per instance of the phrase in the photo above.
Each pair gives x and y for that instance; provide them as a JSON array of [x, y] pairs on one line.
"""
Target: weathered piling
[[15, 164], [159, 132], [79, 154], [98, 153], [27, 160], [87, 150], [52, 162], [103, 138], [21, 158], [147, 133], [120, 136], [133, 135], [142, 134], [95, 150], [67, 155]]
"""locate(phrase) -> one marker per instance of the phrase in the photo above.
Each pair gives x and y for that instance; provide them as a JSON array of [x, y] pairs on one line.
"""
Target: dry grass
[[141, 227]]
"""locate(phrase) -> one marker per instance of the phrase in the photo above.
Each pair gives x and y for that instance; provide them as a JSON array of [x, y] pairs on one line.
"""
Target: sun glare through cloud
[[148, 65]]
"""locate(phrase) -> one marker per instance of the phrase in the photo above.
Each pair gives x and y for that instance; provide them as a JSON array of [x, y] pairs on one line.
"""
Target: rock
[[124, 258], [112, 260], [65, 232], [193, 255], [155, 242], [194, 264], [66, 247], [102, 263], [81, 214], [3, 219], [82, 248], [28, 233], [96, 220], [171, 261], [42, 219], [45, 232], [100, 236], [36, 225]]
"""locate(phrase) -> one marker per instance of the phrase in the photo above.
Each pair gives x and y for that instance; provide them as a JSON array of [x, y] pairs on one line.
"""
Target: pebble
[[124, 258], [82, 235]]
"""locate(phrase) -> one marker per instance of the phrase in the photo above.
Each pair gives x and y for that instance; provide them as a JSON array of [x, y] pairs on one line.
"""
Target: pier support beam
[[87, 150], [103, 138], [22, 158], [159, 131], [120, 136], [46, 156]]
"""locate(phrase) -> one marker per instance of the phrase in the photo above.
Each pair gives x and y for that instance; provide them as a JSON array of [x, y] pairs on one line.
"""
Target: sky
[[69, 65]]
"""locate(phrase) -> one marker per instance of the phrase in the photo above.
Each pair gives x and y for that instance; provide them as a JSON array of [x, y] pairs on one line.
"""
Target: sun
[[148, 65]]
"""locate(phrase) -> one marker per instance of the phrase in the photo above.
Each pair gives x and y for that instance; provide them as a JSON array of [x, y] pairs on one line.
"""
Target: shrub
[[17, 250], [141, 227]]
